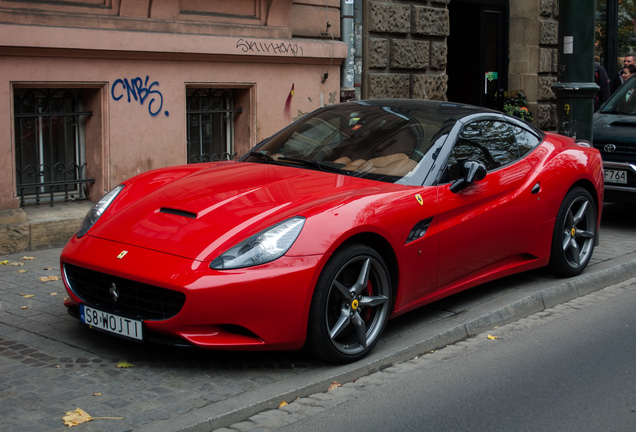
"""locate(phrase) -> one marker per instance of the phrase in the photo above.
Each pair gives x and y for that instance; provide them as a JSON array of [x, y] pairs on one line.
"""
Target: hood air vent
[[177, 212]]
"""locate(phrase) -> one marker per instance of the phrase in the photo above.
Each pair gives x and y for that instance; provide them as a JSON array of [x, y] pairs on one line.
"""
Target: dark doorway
[[477, 65]]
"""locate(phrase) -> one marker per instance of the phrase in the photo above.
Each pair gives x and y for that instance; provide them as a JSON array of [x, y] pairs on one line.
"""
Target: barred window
[[210, 120], [49, 143]]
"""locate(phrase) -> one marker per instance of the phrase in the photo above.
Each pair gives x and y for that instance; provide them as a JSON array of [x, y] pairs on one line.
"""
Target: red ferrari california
[[352, 215]]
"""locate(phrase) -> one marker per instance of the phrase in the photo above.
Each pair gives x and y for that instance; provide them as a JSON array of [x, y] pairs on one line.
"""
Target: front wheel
[[350, 306], [574, 234]]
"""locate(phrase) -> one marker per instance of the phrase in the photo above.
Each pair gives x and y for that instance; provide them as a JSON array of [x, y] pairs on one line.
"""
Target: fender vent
[[178, 212], [419, 230]]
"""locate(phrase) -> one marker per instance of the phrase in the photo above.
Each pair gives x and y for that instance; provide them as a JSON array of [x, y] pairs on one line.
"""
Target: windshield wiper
[[260, 155], [310, 163]]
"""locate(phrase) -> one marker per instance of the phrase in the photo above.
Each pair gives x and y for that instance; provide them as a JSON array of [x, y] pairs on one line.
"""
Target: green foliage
[[516, 104]]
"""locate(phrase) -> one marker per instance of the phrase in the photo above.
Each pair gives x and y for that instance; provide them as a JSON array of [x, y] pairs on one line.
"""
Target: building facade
[[95, 91]]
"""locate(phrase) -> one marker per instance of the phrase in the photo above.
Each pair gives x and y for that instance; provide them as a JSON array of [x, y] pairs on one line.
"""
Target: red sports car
[[354, 214]]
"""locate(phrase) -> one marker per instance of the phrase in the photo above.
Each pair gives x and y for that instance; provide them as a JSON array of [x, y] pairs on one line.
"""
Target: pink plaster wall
[[132, 140]]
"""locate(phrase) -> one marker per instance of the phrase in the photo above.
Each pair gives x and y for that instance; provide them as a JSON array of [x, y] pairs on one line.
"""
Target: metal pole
[[347, 91], [575, 88]]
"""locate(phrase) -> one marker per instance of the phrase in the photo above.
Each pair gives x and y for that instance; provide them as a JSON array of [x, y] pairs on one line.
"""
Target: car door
[[488, 225]]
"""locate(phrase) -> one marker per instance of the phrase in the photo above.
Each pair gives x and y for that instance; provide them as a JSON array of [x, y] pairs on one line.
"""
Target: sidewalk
[[49, 364]]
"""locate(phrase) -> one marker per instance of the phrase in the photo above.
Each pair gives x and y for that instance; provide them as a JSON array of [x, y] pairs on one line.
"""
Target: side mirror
[[472, 172]]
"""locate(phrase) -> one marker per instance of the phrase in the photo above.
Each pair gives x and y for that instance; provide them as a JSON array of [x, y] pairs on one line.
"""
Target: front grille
[[134, 299], [621, 152]]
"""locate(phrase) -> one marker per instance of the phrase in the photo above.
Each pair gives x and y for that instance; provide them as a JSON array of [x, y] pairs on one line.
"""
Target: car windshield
[[623, 101], [362, 139]]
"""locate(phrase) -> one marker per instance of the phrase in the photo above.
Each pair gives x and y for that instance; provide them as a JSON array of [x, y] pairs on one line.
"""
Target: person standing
[[603, 82], [618, 80]]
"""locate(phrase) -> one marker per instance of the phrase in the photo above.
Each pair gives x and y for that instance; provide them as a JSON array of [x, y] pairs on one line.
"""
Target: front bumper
[[264, 307]]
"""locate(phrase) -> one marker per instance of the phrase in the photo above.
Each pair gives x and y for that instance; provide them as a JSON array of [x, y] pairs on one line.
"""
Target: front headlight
[[97, 210], [261, 248]]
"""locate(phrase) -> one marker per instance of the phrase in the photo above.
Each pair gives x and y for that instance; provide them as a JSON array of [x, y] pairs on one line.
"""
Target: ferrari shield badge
[[122, 254], [419, 199]]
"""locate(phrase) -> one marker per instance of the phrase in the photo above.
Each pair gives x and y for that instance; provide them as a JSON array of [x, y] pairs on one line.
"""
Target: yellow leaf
[[53, 293], [334, 385], [77, 417], [49, 278], [125, 365], [493, 337], [23, 307], [22, 271], [5, 262], [28, 295], [282, 404], [48, 268], [97, 394], [16, 264], [28, 258]]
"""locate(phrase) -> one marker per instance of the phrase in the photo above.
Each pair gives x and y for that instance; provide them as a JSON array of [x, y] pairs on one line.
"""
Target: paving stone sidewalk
[[50, 365]]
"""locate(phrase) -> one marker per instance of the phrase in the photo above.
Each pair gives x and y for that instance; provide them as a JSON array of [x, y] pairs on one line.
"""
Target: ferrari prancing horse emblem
[[419, 199], [122, 254]]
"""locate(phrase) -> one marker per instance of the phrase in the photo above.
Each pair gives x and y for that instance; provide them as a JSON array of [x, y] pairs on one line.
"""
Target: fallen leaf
[[5, 262], [23, 307], [48, 268], [282, 404], [334, 385], [16, 264], [97, 394], [22, 271], [493, 337], [28, 295], [53, 293], [125, 365], [28, 258], [79, 416], [49, 278]]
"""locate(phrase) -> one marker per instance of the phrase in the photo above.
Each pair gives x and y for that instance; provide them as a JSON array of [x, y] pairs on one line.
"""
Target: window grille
[[49, 137], [210, 120]]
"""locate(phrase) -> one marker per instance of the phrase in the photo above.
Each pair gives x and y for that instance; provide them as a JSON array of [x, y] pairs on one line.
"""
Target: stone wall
[[405, 48], [534, 32]]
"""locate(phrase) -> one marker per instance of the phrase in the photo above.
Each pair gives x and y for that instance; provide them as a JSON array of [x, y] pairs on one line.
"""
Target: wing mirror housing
[[472, 171]]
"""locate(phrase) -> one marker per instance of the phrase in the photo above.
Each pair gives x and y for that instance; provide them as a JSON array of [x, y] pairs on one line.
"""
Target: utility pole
[[575, 89]]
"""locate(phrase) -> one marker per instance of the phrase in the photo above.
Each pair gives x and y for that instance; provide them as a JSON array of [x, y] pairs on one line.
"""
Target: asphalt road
[[568, 369]]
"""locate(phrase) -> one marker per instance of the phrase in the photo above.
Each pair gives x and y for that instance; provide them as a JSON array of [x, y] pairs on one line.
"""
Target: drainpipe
[[347, 90], [575, 89]]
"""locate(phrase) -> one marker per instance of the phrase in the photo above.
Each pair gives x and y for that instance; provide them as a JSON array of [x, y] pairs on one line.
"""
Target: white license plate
[[111, 323], [615, 176]]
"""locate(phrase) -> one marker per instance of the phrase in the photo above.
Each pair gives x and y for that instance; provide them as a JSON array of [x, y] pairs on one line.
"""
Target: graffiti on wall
[[140, 91], [269, 47]]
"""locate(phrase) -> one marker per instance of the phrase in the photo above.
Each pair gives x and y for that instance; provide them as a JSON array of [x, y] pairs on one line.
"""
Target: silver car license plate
[[615, 176], [111, 323]]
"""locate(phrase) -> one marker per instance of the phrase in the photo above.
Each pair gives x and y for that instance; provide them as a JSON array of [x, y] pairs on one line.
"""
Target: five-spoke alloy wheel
[[350, 306], [574, 233]]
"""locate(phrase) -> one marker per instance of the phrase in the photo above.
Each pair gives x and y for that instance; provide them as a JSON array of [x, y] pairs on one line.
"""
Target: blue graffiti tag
[[140, 91]]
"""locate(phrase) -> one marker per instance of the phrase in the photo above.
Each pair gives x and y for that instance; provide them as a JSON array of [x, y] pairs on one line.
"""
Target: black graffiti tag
[[269, 47]]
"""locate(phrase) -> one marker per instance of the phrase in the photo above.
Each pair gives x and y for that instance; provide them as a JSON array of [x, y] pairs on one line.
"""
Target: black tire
[[350, 306], [574, 234]]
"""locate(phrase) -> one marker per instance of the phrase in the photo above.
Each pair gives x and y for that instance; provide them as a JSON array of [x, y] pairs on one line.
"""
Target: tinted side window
[[494, 143]]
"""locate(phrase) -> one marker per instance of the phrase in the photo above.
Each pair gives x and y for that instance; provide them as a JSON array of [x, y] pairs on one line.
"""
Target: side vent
[[419, 230], [177, 212]]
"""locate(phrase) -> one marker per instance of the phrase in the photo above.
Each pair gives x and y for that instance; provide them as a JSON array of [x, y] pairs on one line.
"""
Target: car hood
[[614, 128], [203, 214]]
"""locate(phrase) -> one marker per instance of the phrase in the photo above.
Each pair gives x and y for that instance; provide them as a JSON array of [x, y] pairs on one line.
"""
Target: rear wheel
[[574, 233], [351, 305]]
